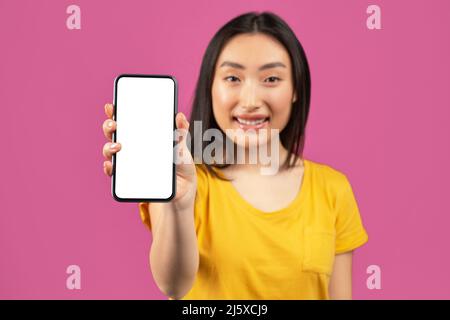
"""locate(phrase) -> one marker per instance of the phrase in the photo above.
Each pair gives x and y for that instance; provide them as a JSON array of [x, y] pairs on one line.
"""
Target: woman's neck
[[257, 167]]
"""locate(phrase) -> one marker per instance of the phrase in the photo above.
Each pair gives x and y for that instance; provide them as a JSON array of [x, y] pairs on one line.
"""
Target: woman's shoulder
[[331, 182], [210, 177], [202, 173], [205, 172], [203, 179], [327, 174]]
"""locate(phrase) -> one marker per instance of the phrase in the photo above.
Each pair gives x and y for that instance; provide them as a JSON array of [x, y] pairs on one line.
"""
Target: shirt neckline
[[295, 203]]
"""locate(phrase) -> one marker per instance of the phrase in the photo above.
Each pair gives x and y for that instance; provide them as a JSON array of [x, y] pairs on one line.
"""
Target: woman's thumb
[[182, 126], [183, 155], [181, 121]]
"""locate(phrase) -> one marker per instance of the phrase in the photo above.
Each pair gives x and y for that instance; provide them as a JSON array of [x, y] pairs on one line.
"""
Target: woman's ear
[[295, 97]]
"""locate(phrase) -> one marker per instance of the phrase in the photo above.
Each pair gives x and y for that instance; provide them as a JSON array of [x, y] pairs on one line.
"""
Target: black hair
[[292, 136]]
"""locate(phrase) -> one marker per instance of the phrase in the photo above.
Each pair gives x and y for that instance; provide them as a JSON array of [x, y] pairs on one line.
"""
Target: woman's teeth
[[251, 122]]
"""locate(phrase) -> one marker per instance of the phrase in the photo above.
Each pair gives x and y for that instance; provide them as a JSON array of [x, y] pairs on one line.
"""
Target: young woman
[[232, 232]]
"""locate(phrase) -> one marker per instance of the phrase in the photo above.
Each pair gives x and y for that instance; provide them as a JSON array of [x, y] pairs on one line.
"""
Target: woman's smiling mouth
[[247, 122]]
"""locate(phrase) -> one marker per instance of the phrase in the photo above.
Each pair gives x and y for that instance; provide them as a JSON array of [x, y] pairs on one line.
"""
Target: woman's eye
[[232, 77], [274, 79]]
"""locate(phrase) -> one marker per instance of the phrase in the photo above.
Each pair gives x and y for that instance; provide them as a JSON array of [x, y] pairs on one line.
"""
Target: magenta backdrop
[[379, 112]]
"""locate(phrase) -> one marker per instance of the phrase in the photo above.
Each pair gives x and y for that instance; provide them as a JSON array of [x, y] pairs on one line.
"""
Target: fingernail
[[110, 124], [104, 164], [113, 145]]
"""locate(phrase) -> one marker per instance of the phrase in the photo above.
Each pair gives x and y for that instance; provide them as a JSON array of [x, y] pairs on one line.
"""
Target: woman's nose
[[250, 96], [250, 108]]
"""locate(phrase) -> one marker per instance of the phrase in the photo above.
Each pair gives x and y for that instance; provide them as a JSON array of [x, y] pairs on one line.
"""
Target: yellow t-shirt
[[246, 253]]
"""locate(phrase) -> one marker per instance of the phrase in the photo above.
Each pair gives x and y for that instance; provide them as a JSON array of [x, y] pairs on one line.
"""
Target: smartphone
[[144, 110]]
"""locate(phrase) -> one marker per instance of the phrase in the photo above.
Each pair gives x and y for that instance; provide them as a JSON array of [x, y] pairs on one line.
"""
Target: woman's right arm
[[174, 255]]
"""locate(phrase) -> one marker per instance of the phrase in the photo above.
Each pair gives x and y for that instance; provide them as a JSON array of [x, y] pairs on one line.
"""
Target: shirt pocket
[[318, 250]]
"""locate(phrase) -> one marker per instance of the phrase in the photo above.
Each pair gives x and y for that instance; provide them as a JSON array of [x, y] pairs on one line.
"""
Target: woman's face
[[252, 88]]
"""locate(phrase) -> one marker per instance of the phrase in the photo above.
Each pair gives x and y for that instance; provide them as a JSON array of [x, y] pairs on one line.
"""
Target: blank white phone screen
[[145, 109]]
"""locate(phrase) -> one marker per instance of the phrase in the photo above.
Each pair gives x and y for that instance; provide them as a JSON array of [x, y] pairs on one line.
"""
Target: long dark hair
[[292, 136]]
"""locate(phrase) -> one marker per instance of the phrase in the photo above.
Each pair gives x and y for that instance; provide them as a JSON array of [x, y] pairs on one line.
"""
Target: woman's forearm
[[174, 256]]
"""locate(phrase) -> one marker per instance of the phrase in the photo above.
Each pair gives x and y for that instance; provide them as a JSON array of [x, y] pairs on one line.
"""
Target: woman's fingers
[[110, 148], [109, 110], [109, 126], [107, 168]]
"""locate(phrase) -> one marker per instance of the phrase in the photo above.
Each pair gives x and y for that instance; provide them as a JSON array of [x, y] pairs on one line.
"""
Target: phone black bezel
[[175, 110]]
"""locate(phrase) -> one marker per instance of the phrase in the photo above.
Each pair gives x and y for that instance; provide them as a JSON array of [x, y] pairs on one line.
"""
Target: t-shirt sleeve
[[350, 232], [200, 199], [144, 212]]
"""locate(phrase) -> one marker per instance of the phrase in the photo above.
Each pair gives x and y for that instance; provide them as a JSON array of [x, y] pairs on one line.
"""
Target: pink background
[[379, 113]]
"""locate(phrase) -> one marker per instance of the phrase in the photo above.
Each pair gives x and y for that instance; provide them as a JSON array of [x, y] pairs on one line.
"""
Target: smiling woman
[[287, 235]]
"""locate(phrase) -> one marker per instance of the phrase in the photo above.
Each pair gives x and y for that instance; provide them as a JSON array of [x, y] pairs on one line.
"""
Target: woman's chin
[[250, 141]]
